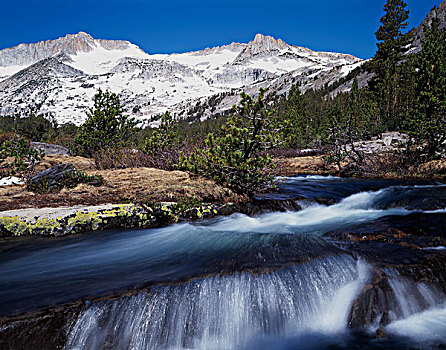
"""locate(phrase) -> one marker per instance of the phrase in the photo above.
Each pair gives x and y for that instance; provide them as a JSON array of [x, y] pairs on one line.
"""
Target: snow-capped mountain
[[60, 77]]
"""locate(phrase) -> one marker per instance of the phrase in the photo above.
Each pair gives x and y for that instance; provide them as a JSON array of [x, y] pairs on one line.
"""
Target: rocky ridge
[[71, 44], [418, 32], [60, 77]]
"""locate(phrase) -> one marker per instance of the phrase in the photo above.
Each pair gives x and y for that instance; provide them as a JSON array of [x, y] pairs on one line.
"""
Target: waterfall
[[421, 313], [226, 312], [308, 305]]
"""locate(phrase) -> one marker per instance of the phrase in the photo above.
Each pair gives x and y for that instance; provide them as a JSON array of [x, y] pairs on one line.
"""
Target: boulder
[[50, 149], [53, 176]]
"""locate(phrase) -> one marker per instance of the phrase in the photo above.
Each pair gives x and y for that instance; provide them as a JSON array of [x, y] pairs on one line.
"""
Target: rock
[[71, 220], [10, 180], [50, 149], [52, 177], [45, 330], [387, 141], [201, 212], [373, 303]]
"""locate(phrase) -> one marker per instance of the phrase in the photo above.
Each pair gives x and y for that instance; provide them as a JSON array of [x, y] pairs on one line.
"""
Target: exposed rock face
[[48, 330], [418, 33], [373, 303], [70, 44], [50, 149], [388, 142], [260, 45]]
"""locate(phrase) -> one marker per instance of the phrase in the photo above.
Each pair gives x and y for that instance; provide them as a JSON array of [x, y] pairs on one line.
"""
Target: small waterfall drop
[[227, 312], [421, 314]]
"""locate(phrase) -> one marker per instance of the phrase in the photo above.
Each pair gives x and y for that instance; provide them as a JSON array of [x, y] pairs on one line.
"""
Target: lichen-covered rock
[[78, 219], [63, 221], [201, 212]]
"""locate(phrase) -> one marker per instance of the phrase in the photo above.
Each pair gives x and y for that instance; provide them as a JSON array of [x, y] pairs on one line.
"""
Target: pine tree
[[346, 126], [106, 125], [234, 158], [392, 43], [299, 132], [427, 121], [163, 137]]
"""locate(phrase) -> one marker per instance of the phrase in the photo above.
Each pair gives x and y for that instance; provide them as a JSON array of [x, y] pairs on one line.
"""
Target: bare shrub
[[123, 158], [397, 163]]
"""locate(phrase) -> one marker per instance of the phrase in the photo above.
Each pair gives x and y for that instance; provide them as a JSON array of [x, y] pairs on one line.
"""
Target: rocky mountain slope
[[60, 77], [418, 32]]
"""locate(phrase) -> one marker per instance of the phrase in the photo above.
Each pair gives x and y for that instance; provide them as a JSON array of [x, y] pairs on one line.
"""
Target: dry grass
[[313, 165], [120, 186]]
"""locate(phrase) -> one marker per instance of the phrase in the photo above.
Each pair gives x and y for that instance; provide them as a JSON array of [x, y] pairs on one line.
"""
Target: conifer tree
[[163, 137], [391, 40], [106, 125], [392, 43], [299, 132], [234, 158], [427, 121]]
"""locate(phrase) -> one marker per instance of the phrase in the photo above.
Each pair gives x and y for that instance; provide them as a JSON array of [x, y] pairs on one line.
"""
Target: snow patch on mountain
[[60, 77]]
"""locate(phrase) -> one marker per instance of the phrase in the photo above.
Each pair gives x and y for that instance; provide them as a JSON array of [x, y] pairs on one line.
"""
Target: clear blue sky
[[166, 26]]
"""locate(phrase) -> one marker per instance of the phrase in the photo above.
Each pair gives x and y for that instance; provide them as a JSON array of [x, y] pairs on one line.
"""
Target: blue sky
[[345, 26]]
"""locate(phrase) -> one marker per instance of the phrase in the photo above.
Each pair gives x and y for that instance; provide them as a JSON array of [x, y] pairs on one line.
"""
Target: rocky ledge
[[79, 219]]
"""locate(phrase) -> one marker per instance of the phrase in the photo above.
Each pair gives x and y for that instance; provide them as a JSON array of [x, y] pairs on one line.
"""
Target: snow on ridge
[[150, 84], [101, 61]]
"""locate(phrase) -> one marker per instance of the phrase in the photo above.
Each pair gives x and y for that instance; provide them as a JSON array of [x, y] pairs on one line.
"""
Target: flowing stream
[[272, 281]]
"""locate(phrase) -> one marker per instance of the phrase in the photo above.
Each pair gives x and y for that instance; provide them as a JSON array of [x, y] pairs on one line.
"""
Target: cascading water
[[227, 312], [283, 280], [420, 314]]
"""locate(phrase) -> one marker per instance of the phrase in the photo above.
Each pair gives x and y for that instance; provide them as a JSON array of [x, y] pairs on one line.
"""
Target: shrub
[[234, 157], [163, 147], [120, 158], [17, 158]]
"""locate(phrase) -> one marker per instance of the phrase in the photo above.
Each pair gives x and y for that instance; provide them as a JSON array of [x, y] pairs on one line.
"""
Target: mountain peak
[[81, 33], [70, 44], [79, 36], [262, 44], [267, 43]]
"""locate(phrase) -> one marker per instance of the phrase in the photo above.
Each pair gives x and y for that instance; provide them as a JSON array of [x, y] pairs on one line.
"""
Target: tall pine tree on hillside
[[427, 121], [391, 40], [392, 43]]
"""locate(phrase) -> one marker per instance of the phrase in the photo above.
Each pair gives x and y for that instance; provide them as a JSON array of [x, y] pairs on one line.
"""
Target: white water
[[228, 312], [303, 306], [414, 297], [315, 218], [308, 305], [422, 328]]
